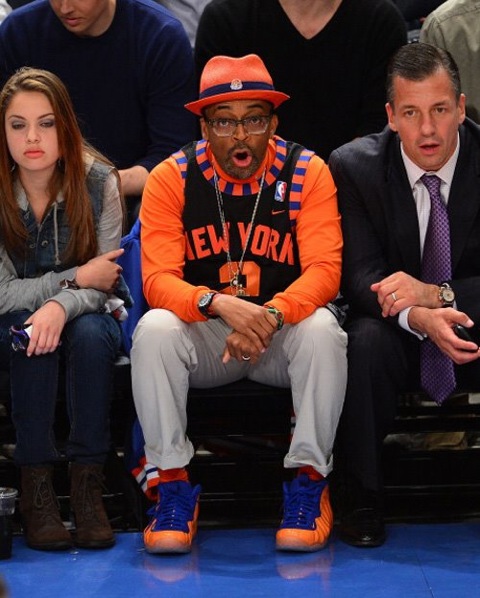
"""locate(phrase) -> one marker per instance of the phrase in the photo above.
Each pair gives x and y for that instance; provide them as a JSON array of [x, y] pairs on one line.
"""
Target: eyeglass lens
[[253, 125]]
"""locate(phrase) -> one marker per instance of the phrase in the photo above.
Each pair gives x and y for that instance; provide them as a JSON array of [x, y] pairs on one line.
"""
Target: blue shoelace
[[302, 503], [175, 507]]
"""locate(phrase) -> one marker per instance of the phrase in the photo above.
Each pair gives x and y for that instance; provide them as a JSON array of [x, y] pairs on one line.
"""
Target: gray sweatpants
[[169, 356]]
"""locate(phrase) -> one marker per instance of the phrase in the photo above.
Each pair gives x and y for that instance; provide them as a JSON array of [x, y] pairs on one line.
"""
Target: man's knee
[[155, 328], [322, 325], [371, 335]]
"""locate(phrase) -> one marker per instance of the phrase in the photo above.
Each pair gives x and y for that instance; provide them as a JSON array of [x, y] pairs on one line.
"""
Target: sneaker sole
[[294, 545], [168, 546], [172, 542]]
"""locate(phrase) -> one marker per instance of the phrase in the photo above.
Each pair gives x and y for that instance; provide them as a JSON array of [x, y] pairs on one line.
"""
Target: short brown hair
[[416, 62]]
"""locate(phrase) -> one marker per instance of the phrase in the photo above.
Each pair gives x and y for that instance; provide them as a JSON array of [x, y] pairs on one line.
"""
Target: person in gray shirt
[[61, 216], [455, 26], [188, 12]]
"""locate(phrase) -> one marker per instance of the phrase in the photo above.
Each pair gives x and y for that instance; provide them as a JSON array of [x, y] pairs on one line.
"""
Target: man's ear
[[204, 128], [273, 125], [391, 117], [461, 109]]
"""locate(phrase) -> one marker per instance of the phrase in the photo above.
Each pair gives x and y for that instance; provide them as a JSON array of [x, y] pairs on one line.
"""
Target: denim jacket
[[47, 242], [28, 283]]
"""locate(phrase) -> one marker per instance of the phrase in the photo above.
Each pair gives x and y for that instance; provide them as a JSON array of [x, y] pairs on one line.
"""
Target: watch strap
[[69, 284], [278, 315], [204, 304], [446, 294]]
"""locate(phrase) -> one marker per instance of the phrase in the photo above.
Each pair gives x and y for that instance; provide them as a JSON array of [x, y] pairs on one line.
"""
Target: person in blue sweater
[[128, 67]]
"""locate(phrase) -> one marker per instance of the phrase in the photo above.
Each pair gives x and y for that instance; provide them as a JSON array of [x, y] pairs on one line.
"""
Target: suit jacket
[[380, 224]]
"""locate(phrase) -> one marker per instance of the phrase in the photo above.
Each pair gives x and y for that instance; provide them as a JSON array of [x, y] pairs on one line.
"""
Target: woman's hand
[[101, 272], [47, 326]]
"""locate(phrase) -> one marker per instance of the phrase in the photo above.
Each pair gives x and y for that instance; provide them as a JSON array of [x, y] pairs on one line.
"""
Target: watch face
[[204, 303], [447, 295], [205, 300]]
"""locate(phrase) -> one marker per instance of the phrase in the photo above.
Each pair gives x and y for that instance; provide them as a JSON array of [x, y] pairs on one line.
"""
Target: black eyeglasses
[[253, 125]]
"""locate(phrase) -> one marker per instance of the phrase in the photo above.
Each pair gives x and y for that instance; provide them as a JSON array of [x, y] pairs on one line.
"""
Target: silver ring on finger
[[394, 297], [246, 357]]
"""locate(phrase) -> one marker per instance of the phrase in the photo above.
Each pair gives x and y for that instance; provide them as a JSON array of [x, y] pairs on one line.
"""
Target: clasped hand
[[253, 327], [400, 291]]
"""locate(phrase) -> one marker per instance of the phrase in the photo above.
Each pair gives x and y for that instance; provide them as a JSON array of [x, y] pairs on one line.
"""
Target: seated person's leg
[[311, 358], [33, 383], [90, 344], [378, 368], [168, 356], [468, 376]]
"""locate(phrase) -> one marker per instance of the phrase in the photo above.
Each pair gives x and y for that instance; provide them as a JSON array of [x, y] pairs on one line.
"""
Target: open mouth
[[429, 143], [429, 148], [242, 158]]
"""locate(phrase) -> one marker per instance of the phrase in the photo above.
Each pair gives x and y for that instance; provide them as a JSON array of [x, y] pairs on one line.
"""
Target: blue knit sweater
[[128, 85]]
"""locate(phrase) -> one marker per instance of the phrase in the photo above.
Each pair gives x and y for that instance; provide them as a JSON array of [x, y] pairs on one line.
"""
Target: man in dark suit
[[396, 311]]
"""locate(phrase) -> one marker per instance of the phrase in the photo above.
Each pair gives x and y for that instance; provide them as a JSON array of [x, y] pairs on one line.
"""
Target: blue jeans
[[88, 349]]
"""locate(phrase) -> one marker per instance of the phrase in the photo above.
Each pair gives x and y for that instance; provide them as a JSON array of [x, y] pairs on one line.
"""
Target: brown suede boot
[[93, 529], [40, 511]]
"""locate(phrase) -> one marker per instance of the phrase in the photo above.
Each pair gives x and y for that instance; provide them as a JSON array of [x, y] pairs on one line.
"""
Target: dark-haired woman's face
[[31, 132]]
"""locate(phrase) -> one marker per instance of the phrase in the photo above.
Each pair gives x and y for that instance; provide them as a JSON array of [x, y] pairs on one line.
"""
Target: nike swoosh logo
[[274, 212]]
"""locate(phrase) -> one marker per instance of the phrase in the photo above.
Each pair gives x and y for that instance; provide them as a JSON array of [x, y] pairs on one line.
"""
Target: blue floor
[[425, 560]]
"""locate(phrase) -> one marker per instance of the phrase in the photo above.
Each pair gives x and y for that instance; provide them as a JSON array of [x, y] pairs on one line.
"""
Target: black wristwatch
[[446, 295], [69, 284], [204, 304]]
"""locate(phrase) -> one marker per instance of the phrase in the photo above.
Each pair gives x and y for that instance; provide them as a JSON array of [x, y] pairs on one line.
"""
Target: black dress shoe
[[363, 527]]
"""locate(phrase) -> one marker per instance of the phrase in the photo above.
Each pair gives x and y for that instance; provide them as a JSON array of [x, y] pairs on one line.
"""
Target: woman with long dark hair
[[61, 215]]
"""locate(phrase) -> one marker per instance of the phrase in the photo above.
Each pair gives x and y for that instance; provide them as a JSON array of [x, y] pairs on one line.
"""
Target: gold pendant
[[240, 291], [237, 286]]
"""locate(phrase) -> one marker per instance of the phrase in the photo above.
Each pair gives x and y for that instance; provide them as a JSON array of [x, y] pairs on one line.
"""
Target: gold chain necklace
[[236, 285]]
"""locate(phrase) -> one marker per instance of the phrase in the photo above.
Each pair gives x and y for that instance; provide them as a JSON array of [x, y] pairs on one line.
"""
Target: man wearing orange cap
[[241, 254]]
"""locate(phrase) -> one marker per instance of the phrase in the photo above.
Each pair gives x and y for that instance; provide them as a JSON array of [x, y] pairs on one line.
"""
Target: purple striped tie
[[437, 371]]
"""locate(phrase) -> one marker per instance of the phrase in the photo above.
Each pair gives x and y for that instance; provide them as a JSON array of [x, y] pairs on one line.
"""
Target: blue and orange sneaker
[[174, 518], [307, 517]]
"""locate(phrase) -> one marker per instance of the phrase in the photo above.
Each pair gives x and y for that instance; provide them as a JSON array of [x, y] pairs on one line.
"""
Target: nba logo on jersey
[[280, 190]]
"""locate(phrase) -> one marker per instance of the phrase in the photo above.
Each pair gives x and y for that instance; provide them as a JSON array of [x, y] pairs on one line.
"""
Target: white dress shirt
[[422, 202]]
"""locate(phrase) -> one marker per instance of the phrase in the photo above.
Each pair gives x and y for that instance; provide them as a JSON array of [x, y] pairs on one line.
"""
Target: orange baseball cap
[[226, 78]]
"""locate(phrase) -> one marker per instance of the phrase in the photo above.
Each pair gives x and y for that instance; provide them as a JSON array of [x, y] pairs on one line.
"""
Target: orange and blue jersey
[[293, 264]]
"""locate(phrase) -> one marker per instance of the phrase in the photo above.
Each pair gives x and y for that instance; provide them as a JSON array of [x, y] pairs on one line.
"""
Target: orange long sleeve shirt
[[318, 236]]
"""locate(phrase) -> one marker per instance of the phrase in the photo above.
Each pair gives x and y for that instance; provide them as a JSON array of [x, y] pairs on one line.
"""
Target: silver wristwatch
[[69, 284], [446, 295]]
